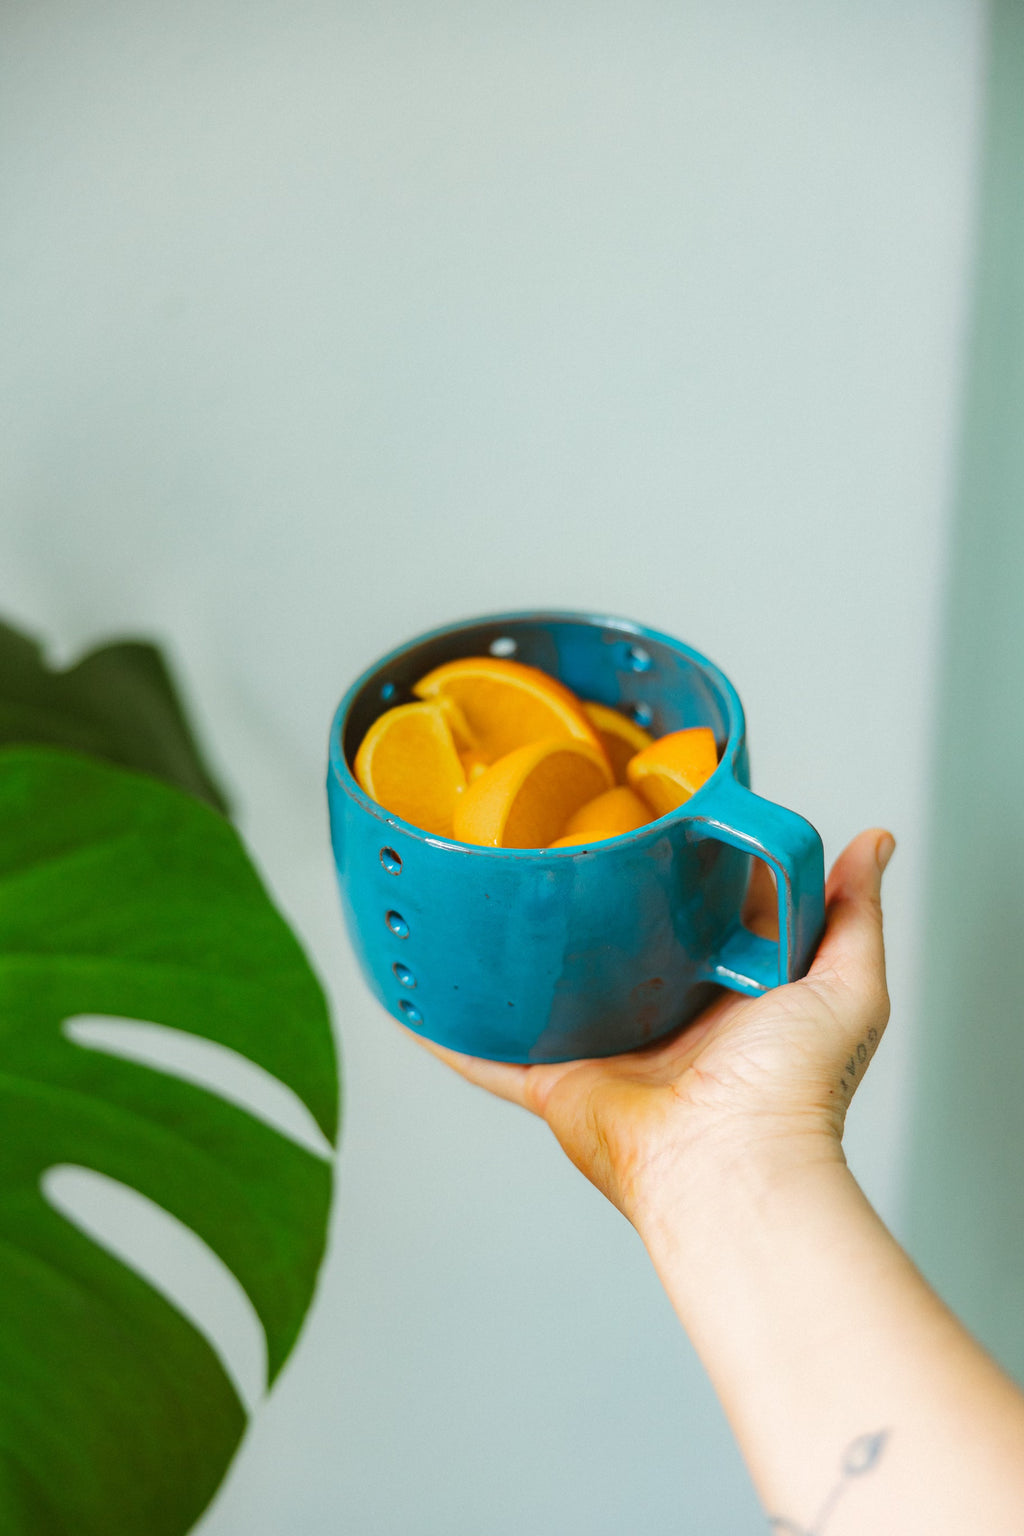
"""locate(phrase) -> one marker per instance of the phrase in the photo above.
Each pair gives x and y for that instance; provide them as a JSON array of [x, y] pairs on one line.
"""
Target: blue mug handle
[[731, 813]]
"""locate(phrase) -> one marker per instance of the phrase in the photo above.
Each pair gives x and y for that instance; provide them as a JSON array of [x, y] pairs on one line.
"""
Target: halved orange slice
[[526, 797], [407, 762], [507, 704], [673, 768], [609, 815], [620, 736]]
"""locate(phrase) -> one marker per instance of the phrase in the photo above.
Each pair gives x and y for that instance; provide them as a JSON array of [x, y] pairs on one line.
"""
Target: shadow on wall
[[965, 1211]]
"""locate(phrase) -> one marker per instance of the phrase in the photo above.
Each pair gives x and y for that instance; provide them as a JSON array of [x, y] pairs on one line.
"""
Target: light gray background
[[328, 323]]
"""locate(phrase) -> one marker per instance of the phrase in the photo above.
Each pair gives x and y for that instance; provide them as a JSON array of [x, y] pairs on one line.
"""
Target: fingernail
[[885, 850]]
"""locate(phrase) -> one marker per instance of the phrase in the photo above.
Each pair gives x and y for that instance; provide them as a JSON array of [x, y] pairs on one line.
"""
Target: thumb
[[849, 967]]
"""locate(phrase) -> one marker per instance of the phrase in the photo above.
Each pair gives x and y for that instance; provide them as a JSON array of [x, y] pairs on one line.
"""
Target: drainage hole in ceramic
[[643, 714], [391, 860], [387, 691], [403, 975], [412, 1013], [637, 659], [503, 646], [398, 925]]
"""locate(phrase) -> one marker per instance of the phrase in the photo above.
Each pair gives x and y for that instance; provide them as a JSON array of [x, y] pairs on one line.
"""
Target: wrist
[[740, 1177]]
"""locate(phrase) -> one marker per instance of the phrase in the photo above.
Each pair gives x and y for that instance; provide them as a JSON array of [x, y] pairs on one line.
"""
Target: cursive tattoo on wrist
[[857, 1060], [861, 1455]]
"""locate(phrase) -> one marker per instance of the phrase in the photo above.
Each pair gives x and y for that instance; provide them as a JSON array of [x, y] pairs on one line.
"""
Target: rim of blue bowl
[[346, 778]]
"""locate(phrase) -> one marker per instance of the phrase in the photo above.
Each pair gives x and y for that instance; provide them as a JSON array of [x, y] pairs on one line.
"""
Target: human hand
[[768, 1077]]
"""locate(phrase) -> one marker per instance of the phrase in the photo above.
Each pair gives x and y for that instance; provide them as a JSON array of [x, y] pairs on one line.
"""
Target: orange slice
[[507, 704], [609, 815], [619, 736], [673, 768], [526, 797], [407, 762]]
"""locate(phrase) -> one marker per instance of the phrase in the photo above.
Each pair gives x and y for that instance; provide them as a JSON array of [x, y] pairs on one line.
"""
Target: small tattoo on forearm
[[861, 1456], [858, 1060]]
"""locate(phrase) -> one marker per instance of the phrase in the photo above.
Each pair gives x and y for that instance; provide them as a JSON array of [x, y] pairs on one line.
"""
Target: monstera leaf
[[121, 895], [119, 703]]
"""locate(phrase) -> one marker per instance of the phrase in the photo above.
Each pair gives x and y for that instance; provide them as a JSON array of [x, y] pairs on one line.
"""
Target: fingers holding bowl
[[849, 969]]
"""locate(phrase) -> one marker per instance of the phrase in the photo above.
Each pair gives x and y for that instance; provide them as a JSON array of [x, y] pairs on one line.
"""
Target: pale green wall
[[966, 1211]]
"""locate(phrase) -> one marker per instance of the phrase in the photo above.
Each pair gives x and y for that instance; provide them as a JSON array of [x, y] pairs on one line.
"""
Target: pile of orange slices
[[502, 755]]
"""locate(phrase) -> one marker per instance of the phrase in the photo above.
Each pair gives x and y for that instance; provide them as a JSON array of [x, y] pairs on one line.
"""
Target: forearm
[[817, 1331]]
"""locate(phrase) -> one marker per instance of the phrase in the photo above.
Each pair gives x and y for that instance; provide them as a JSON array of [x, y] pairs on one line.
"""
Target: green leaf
[[122, 896], [119, 703]]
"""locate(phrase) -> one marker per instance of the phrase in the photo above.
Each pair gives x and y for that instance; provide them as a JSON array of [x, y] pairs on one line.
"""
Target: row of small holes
[[405, 978], [392, 862]]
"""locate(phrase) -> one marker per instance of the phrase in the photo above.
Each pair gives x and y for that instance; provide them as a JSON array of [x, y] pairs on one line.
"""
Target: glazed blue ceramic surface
[[545, 955]]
